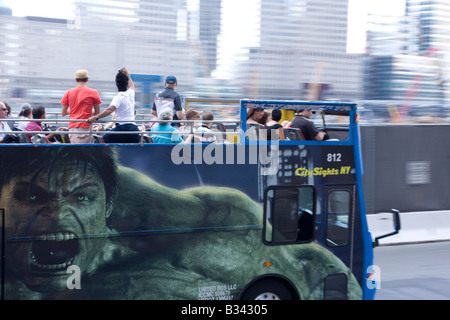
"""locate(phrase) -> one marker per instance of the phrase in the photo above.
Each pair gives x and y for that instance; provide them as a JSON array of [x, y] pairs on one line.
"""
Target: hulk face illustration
[[54, 204], [58, 209]]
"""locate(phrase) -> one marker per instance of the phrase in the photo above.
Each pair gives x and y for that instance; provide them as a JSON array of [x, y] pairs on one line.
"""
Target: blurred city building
[[301, 53], [408, 58], [39, 56], [4, 9], [296, 46], [208, 34]]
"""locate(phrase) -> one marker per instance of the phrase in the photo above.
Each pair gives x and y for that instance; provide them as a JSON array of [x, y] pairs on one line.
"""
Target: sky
[[41, 8], [358, 10]]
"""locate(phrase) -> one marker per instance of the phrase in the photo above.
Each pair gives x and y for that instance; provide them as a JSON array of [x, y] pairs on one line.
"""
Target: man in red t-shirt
[[79, 101]]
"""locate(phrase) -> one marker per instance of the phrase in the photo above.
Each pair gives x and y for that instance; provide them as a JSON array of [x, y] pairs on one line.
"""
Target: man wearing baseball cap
[[80, 103], [169, 98]]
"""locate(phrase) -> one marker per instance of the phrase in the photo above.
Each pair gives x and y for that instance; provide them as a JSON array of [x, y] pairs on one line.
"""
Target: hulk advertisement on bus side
[[79, 224]]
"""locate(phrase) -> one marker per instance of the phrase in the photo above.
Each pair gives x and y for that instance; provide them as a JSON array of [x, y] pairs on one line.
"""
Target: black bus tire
[[268, 289]]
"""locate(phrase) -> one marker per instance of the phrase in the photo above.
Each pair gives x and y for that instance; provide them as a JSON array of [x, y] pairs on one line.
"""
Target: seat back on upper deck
[[294, 134], [98, 138], [255, 131]]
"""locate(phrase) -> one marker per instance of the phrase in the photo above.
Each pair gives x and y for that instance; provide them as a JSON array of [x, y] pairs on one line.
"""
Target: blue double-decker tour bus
[[241, 218]]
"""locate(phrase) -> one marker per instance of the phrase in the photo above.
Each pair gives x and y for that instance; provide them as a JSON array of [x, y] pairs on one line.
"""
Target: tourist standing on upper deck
[[123, 104], [78, 102], [168, 97]]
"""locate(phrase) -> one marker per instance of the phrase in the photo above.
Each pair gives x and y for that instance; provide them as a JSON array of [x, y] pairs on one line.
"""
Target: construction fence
[[406, 167]]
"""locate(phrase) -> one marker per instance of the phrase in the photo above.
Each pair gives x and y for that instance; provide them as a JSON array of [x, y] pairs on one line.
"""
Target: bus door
[[290, 212], [339, 221]]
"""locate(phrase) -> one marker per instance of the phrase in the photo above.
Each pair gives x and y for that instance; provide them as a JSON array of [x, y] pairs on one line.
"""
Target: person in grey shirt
[[168, 97]]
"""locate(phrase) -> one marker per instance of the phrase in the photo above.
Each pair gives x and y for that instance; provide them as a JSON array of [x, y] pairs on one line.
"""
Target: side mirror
[[397, 227]]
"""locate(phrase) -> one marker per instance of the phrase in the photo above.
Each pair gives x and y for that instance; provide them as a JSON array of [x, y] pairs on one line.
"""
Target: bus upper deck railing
[[190, 127], [231, 129], [233, 135], [225, 131]]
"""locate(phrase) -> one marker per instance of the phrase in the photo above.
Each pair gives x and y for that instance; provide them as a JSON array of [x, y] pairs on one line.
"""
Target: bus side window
[[289, 210], [337, 220]]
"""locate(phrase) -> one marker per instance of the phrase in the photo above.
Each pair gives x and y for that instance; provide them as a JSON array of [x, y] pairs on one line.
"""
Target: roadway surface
[[416, 271]]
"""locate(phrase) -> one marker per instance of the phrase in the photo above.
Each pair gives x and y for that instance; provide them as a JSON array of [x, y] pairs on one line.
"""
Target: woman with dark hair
[[9, 115], [123, 105], [274, 126], [254, 115]]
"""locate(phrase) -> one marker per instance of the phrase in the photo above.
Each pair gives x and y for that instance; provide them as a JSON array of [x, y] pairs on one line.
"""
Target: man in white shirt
[[3, 124]]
